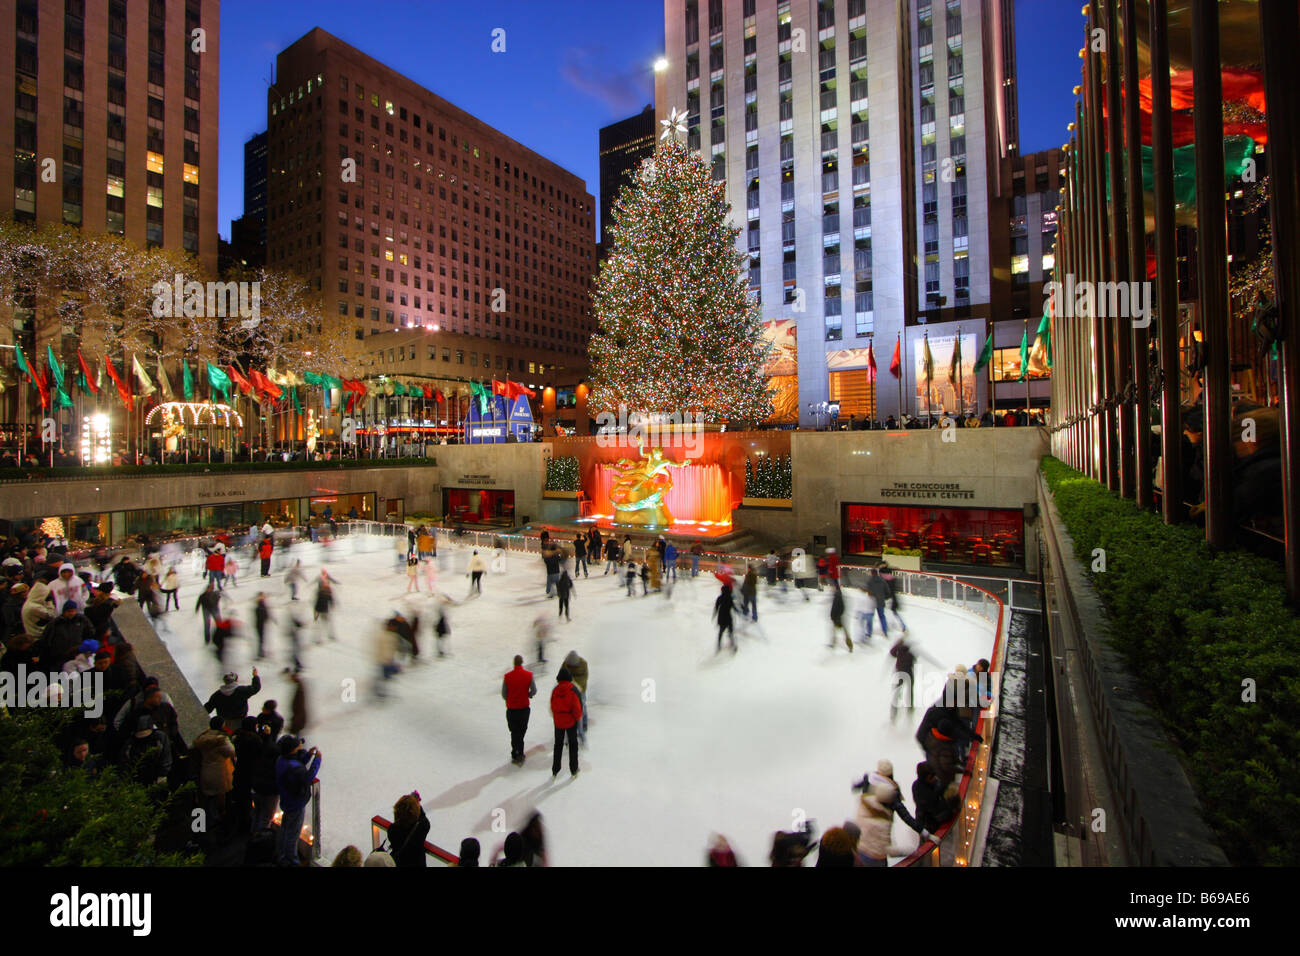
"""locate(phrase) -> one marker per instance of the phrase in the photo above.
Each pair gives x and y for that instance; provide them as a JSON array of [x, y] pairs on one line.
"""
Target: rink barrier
[[379, 832]]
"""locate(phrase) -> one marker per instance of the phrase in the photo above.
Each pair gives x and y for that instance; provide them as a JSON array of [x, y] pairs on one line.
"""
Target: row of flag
[[1040, 355], [52, 383]]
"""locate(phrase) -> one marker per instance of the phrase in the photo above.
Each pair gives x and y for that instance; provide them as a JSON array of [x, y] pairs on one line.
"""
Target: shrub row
[[1199, 629]]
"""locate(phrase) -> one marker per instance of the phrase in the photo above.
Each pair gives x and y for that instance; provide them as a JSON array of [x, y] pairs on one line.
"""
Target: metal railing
[[379, 827]]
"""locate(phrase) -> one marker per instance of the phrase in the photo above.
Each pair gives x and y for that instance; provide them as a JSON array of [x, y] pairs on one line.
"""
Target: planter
[[786, 503], [904, 562], [571, 495]]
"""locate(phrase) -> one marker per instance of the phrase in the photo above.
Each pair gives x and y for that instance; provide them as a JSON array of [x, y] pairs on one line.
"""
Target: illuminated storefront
[[992, 536]]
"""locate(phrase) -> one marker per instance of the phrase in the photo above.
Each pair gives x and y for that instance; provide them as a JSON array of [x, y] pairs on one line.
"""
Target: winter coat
[[565, 706], [324, 600], [722, 607], [517, 687], [214, 562], [876, 824], [293, 781], [552, 561], [217, 766], [64, 635], [577, 668], [407, 842], [74, 589], [124, 576], [209, 601], [11, 615], [749, 586], [878, 588], [579, 550], [263, 766], [837, 608], [153, 755], [904, 659], [231, 701], [476, 563], [564, 585], [298, 708], [612, 551], [384, 647], [36, 611], [932, 810]]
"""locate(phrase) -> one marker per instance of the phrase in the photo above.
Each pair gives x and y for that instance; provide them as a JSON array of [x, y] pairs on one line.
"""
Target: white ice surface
[[683, 743]]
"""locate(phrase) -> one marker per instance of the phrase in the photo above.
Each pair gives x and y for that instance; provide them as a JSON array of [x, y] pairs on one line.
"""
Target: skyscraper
[[119, 100], [858, 144], [407, 212], [623, 145]]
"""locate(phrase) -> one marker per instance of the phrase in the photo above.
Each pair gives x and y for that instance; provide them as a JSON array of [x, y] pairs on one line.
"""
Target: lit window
[[388, 254], [116, 187], [388, 107], [155, 196], [154, 162], [1019, 264], [191, 174], [1049, 261]]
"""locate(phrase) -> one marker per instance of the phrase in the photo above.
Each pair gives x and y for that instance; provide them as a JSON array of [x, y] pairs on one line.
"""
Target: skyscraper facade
[[859, 141], [407, 212]]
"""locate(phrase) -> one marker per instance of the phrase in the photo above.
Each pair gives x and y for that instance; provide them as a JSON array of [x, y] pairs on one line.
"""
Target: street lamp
[[661, 64]]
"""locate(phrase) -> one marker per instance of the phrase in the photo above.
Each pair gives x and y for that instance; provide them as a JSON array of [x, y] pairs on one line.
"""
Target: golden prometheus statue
[[639, 489]]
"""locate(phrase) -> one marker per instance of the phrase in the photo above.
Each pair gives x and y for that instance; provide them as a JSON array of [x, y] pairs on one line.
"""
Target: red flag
[[123, 389], [85, 371], [517, 389], [896, 364], [871, 360], [244, 384], [42, 384], [264, 384], [501, 388], [428, 391], [438, 396]]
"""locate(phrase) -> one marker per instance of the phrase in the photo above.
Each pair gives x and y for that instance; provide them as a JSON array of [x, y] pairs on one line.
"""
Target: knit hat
[[103, 655], [105, 587], [70, 606], [231, 678], [288, 744], [564, 674], [88, 647], [884, 768]]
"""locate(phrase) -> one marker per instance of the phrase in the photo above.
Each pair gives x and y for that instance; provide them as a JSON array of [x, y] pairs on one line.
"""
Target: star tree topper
[[675, 124]]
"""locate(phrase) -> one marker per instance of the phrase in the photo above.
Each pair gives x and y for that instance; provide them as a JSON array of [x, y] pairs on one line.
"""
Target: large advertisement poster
[[782, 371], [938, 393]]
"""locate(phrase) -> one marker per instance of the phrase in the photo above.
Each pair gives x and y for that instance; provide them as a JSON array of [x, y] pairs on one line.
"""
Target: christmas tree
[[678, 330]]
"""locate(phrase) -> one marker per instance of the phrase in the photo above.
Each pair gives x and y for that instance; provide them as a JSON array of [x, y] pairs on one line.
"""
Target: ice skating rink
[[682, 742]]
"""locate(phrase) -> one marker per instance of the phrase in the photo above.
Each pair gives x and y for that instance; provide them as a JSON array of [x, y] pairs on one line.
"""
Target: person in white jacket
[[68, 586], [476, 568], [875, 820]]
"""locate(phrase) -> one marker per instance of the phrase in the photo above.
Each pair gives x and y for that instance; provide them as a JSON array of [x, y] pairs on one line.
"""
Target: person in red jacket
[[215, 566], [517, 688], [832, 565], [566, 708], [264, 552]]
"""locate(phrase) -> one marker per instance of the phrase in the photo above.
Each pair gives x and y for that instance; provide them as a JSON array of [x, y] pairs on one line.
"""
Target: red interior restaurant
[[479, 505], [993, 536]]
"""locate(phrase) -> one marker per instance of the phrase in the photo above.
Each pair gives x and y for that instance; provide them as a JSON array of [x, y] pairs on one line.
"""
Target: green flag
[[1024, 354], [481, 393], [1043, 343], [55, 368], [986, 355], [219, 381], [62, 397], [297, 406], [187, 380], [22, 362]]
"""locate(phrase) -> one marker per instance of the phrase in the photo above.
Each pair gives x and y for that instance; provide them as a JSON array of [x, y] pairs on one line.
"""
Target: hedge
[[1194, 625], [54, 816], [203, 467]]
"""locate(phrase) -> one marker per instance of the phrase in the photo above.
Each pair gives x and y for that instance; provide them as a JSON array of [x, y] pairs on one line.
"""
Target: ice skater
[[294, 577], [542, 634], [722, 610], [384, 648], [566, 709], [579, 556], [563, 591], [324, 604], [878, 590], [261, 615], [430, 565], [517, 690], [630, 576], [887, 575], [441, 624], [476, 568], [412, 574], [837, 615]]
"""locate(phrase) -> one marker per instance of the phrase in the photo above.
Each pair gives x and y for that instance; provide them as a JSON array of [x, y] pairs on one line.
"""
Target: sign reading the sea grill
[[926, 491], [476, 481]]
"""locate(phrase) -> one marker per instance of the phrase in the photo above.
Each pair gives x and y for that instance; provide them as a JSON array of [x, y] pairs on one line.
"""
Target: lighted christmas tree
[[51, 528], [678, 329]]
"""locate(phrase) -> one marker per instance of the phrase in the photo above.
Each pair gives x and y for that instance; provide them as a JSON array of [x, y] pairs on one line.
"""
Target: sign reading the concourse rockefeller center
[[927, 491]]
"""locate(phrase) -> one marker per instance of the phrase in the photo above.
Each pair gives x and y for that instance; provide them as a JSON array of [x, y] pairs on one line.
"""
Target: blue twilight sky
[[569, 68]]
